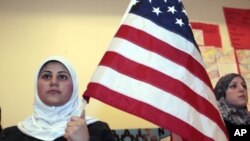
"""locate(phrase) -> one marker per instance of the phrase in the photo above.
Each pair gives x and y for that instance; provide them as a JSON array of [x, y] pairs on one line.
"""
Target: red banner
[[238, 24]]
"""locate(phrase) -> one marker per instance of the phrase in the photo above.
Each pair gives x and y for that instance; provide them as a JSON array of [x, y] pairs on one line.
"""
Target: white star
[[134, 2], [171, 9], [156, 10], [150, 1], [184, 11], [165, 1], [179, 1], [179, 22]]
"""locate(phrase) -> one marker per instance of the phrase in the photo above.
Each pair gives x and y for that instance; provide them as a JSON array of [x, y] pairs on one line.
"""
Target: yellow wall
[[31, 30]]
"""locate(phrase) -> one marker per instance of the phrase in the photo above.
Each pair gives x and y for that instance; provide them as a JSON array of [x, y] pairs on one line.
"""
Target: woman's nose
[[241, 87], [54, 81]]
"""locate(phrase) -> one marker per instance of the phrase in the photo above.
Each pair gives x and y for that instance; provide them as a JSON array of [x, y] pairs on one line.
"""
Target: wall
[[79, 30]]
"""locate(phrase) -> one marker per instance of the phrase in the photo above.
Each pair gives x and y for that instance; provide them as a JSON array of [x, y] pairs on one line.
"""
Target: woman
[[231, 94], [57, 109]]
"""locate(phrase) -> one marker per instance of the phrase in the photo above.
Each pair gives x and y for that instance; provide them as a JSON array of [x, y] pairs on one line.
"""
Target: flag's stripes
[[161, 33], [161, 64], [144, 111], [176, 50], [151, 96], [161, 48], [162, 80]]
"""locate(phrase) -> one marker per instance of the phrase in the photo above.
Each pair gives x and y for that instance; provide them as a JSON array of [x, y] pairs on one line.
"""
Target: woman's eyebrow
[[64, 72], [60, 72], [47, 71]]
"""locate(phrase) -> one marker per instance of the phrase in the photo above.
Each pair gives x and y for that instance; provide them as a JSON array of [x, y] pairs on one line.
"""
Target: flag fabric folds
[[153, 69]]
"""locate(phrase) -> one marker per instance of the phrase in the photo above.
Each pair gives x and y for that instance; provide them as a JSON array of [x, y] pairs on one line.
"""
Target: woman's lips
[[242, 96], [54, 92]]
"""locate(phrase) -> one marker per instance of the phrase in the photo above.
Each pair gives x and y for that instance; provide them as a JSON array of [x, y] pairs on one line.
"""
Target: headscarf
[[230, 113], [49, 122]]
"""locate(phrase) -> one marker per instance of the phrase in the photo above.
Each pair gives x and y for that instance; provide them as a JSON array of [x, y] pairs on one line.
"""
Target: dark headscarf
[[223, 83], [230, 113]]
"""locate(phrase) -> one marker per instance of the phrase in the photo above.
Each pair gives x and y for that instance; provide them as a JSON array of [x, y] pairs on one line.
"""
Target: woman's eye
[[46, 76], [62, 77], [233, 86]]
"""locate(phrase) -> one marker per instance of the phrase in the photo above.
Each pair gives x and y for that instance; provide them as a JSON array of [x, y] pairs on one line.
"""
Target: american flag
[[153, 69]]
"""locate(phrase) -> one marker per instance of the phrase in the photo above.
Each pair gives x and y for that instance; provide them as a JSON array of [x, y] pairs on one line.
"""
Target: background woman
[[232, 96]]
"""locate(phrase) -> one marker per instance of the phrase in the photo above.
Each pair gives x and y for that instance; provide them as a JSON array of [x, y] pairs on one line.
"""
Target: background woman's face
[[55, 85], [236, 93]]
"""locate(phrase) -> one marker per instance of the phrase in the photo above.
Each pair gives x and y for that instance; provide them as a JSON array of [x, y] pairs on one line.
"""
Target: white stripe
[[157, 98], [166, 36], [163, 65]]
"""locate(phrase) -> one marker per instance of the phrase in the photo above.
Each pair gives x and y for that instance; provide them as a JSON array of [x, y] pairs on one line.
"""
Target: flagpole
[[127, 11]]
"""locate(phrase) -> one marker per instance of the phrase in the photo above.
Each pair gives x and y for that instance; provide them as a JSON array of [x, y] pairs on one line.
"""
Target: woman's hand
[[76, 129]]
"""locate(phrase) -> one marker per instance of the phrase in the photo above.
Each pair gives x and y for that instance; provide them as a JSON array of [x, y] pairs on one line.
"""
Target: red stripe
[[161, 81], [164, 49], [144, 111]]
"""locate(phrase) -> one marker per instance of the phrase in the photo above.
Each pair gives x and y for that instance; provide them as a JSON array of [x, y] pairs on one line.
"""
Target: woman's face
[[236, 93], [55, 85]]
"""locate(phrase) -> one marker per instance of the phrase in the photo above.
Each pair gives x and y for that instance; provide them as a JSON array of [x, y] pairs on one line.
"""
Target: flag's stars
[[157, 10], [179, 1], [150, 1], [179, 22], [134, 2], [171, 9], [165, 1]]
